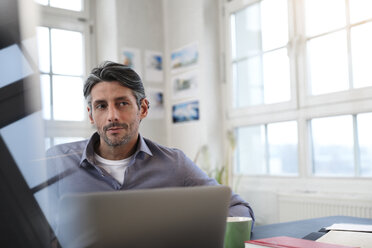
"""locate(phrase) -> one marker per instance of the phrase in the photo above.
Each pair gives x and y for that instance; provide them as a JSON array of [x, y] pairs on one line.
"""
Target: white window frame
[[74, 21], [306, 100], [302, 107], [232, 112]]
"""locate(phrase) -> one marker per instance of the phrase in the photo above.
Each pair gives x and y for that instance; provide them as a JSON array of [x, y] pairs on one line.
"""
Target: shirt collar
[[142, 146], [88, 153]]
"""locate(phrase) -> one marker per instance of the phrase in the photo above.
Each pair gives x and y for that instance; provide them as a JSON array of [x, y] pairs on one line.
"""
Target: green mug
[[238, 230]]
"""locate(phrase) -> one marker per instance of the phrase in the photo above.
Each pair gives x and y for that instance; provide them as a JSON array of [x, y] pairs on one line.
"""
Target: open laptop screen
[[166, 217]]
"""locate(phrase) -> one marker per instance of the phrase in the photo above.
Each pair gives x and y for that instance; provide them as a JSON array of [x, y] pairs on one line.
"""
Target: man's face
[[114, 112]]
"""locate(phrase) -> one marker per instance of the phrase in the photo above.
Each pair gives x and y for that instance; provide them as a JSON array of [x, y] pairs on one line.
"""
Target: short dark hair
[[110, 71]]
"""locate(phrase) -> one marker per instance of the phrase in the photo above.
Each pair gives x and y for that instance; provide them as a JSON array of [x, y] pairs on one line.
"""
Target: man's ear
[[144, 108], [90, 115]]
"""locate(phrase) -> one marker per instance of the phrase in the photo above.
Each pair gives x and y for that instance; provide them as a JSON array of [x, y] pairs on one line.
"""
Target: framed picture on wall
[[184, 112], [132, 58], [156, 99], [153, 66], [184, 57], [185, 85]]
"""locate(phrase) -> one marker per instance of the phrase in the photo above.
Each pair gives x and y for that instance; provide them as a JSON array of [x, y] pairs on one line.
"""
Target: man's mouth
[[115, 127], [114, 130]]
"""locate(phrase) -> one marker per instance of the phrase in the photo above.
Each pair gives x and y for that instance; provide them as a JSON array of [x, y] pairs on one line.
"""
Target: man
[[117, 157]]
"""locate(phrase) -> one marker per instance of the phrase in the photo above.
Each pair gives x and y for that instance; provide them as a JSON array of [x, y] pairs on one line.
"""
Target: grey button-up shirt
[[152, 166]]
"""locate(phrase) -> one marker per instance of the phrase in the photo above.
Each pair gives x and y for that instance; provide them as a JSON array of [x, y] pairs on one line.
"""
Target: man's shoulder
[[157, 148], [68, 148]]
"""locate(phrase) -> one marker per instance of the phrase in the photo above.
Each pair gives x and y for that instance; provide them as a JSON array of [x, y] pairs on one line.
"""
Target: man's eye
[[123, 103], [100, 106]]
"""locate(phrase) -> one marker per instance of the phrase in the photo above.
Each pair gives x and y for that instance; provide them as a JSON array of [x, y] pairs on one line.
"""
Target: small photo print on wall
[[183, 112], [185, 85], [156, 99], [184, 57], [132, 58], [154, 66]]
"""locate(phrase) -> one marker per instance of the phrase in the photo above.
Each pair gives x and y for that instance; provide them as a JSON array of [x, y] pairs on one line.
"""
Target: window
[[364, 122], [273, 145], [348, 154], [63, 42], [76, 5], [61, 69], [333, 154], [260, 63], [298, 74], [337, 46]]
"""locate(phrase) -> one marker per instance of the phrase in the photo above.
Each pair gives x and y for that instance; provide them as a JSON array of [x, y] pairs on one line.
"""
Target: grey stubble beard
[[125, 139]]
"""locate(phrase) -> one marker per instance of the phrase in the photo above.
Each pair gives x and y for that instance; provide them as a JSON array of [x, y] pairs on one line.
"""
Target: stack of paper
[[348, 234], [350, 227]]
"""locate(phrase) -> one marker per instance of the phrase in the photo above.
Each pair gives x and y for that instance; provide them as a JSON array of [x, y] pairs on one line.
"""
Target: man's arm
[[239, 207], [196, 177]]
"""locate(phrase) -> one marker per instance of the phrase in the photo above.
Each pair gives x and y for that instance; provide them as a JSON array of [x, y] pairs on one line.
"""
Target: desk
[[301, 228]]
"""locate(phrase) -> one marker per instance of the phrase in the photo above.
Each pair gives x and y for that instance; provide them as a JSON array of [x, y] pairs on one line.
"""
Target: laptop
[[165, 217]]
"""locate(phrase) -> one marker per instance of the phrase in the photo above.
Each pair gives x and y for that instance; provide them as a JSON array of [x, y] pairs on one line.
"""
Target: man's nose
[[112, 114]]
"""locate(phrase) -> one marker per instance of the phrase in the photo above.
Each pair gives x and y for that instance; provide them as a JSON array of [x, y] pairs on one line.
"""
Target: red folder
[[289, 242]]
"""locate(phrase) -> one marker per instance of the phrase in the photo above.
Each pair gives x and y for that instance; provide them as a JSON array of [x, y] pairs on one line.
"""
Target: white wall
[[132, 24], [106, 30], [140, 26], [167, 25], [187, 22]]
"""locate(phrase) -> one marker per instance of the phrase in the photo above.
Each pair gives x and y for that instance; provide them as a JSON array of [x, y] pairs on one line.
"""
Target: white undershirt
[[115, 168]]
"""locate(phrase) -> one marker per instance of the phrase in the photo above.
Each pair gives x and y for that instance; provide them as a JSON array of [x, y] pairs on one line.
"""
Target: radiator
[[305, 205]]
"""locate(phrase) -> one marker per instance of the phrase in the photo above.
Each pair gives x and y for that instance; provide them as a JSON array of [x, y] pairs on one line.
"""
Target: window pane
[[274, 24], [328, 63], [248, 86], [324, 15], [247, 31], [361, 49], [276, 76], [68, 100], [360, 10], [282, 143], [333, 153], [43, 49], [67, 4], [250, 153], [45, 96], [67, 52], [365, 147]]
